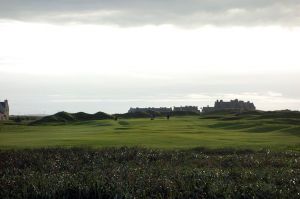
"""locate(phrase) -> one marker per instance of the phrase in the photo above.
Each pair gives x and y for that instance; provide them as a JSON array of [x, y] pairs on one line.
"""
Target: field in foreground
[[243, 131], [249, 155], [148, 173]]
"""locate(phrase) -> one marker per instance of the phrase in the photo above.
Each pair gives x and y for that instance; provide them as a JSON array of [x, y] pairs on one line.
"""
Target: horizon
[[111, 55], [172, 107]]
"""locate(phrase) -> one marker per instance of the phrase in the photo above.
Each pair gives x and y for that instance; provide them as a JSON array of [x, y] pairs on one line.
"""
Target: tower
[[4, 110]]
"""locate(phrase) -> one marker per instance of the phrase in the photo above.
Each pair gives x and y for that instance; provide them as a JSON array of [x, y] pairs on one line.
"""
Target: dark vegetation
[[134, 115], [64, 117], [24, 118], [183, 113], [149, 114], [147, 173]]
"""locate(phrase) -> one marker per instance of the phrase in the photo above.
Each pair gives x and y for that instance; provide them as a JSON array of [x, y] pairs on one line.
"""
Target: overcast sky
[[110, 55]]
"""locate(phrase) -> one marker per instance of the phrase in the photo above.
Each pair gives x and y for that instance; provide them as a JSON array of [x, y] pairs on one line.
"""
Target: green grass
[[178, 132]]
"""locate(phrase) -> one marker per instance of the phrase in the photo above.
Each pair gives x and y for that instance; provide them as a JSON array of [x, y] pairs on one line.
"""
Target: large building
[[186, 109], [165, 109], [161, 110], [4, 110], [232, 105]]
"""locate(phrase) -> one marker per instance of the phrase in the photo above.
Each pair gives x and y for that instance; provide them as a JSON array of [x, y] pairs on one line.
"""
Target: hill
[[65, 117], [258, 115]]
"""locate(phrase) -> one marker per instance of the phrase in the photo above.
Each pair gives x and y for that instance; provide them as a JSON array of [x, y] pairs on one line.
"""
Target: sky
[[110, 55]]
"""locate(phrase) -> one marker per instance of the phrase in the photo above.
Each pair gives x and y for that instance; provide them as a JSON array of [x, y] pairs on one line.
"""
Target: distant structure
[[161, 110], [165, 109], [232, 105], [4, 110], [186, 109]]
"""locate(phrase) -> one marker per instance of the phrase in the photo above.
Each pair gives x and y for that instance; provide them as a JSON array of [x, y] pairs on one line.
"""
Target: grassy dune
[[213, 131]]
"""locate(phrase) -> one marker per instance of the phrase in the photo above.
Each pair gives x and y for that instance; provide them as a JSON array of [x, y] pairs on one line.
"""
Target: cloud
[[274, 94], [142, 12], [198, 98]]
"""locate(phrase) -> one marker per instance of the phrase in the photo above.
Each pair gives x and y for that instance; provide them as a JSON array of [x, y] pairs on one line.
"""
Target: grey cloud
[[142, 12]]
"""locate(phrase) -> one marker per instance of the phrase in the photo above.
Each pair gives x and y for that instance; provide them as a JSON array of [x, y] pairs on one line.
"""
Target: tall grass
[[148, 173]]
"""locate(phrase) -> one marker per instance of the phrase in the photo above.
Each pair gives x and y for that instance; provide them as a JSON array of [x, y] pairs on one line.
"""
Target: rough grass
[[148, 173]]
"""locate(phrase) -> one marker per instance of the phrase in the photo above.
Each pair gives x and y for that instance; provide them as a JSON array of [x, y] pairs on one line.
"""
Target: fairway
[[178, 132]]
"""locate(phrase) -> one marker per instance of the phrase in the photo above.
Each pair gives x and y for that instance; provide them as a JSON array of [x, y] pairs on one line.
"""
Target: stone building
[[207, 109], [161, 110], [186, 109], [232, 105], [4, 110], [165, 109]]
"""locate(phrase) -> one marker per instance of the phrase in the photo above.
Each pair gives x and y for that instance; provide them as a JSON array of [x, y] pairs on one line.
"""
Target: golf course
[[218, 155], [251, 131]]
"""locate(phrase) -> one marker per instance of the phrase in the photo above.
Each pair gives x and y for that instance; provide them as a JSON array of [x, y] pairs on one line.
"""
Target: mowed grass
[[178, 132]]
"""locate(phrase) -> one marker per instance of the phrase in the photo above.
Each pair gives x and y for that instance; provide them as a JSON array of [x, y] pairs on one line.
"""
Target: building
[[207, 109], [165, 109], [186, 109], [4, 110], [150, 109], [232, 105]]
